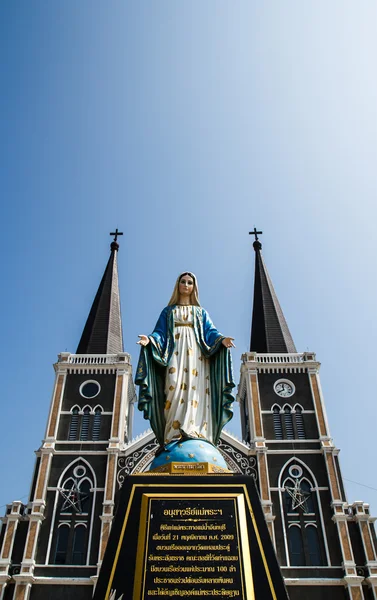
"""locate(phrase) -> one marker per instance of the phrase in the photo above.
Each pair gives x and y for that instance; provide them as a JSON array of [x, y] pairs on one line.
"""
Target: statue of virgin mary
[[185, 370]]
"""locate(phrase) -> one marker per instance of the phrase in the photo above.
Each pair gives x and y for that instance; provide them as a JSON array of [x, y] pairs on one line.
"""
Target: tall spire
[[103, 329], [269, 329]]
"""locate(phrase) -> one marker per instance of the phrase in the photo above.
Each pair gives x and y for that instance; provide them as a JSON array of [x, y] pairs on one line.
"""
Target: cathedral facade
[[53, 546]]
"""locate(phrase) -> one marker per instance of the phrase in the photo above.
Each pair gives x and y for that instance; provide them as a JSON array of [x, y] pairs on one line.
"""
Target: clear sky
[[185, 124]]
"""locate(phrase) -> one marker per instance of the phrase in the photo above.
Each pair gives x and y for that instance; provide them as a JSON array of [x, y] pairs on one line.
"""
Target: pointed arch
[[288, 422], [96, 427], [85, 422], [308, 514], [80, 474], [74, 423], [299, 421], [276, 418], [76, 460]]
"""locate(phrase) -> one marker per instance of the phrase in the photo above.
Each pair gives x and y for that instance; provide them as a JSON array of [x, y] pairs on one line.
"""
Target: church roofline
[[269, 329], [102, 333]]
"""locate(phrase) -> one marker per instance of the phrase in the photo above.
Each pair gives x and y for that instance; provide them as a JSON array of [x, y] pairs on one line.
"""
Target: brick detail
[[20, 593], [318, 405], [8, 539], [104, 539], [256, 406], [55, 406], [345, 542], [31, 539], [117, 404], [356, 593], [42, 477], [263, 477], [367, 541], [110, 477], [332, 476]]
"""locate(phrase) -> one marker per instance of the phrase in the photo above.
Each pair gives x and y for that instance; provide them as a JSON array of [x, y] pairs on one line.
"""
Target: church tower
[[52, 546], [326, 547]]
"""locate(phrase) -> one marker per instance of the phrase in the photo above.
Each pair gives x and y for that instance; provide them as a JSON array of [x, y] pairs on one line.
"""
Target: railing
[[274, 358], [93, 359]]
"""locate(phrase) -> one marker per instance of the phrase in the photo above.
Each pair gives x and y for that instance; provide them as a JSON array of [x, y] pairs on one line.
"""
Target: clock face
[[284, 388]]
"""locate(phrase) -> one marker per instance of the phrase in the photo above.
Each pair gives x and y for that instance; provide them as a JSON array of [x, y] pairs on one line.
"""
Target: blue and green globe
[[189, 451]]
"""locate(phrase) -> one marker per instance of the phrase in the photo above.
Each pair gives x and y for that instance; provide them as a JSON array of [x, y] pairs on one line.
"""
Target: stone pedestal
[[184, 536]]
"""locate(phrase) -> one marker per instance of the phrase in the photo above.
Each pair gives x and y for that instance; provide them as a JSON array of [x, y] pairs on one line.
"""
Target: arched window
[[62, 544], [301, 516], [300, 423], [73, 515], [313, 545], [288, 423], [73, 427], [85, 424], [278, 429], [296, 546], [79, 545], [97, 424]]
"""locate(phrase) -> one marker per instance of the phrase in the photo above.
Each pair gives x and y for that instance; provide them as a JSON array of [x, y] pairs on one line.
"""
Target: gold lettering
[[162, 536], [189, 512]]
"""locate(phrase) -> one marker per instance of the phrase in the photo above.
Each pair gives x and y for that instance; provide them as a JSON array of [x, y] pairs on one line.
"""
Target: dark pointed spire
[[269, 329], [103, 329]]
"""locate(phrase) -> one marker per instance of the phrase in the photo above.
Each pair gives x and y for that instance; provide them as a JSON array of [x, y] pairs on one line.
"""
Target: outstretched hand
[[144, 340], [228, 342]]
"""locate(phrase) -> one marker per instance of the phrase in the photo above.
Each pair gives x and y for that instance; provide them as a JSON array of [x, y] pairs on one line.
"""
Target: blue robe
[[155, 357]]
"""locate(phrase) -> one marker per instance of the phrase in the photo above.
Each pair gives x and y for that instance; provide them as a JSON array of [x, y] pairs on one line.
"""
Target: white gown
[[187, 383]]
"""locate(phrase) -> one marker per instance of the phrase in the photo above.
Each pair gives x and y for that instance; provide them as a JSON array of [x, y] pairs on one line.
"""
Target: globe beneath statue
[[189, 455]]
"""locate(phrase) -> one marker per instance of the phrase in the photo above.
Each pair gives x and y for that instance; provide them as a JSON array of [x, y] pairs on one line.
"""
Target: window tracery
[[301, 516], [73, 515]]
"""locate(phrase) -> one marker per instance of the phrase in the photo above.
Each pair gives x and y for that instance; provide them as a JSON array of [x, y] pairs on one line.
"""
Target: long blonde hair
[[194, 298]]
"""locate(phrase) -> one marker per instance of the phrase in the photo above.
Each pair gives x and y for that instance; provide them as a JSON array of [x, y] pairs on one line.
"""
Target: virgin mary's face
[[186, 285]]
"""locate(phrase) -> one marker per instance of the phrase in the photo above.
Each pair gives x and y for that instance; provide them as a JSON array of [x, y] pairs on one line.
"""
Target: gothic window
[[299, 423], [289, 433], [97, 424], [73, 516], [278, 430], [73, 427], [302, 520], [85, 424]]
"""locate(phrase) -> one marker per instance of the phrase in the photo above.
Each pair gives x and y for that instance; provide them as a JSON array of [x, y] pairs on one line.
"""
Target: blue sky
[[184, 124]]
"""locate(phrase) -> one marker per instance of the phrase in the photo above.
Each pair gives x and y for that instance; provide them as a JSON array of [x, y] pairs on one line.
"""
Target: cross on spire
[[116, 233], [255, 232]]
